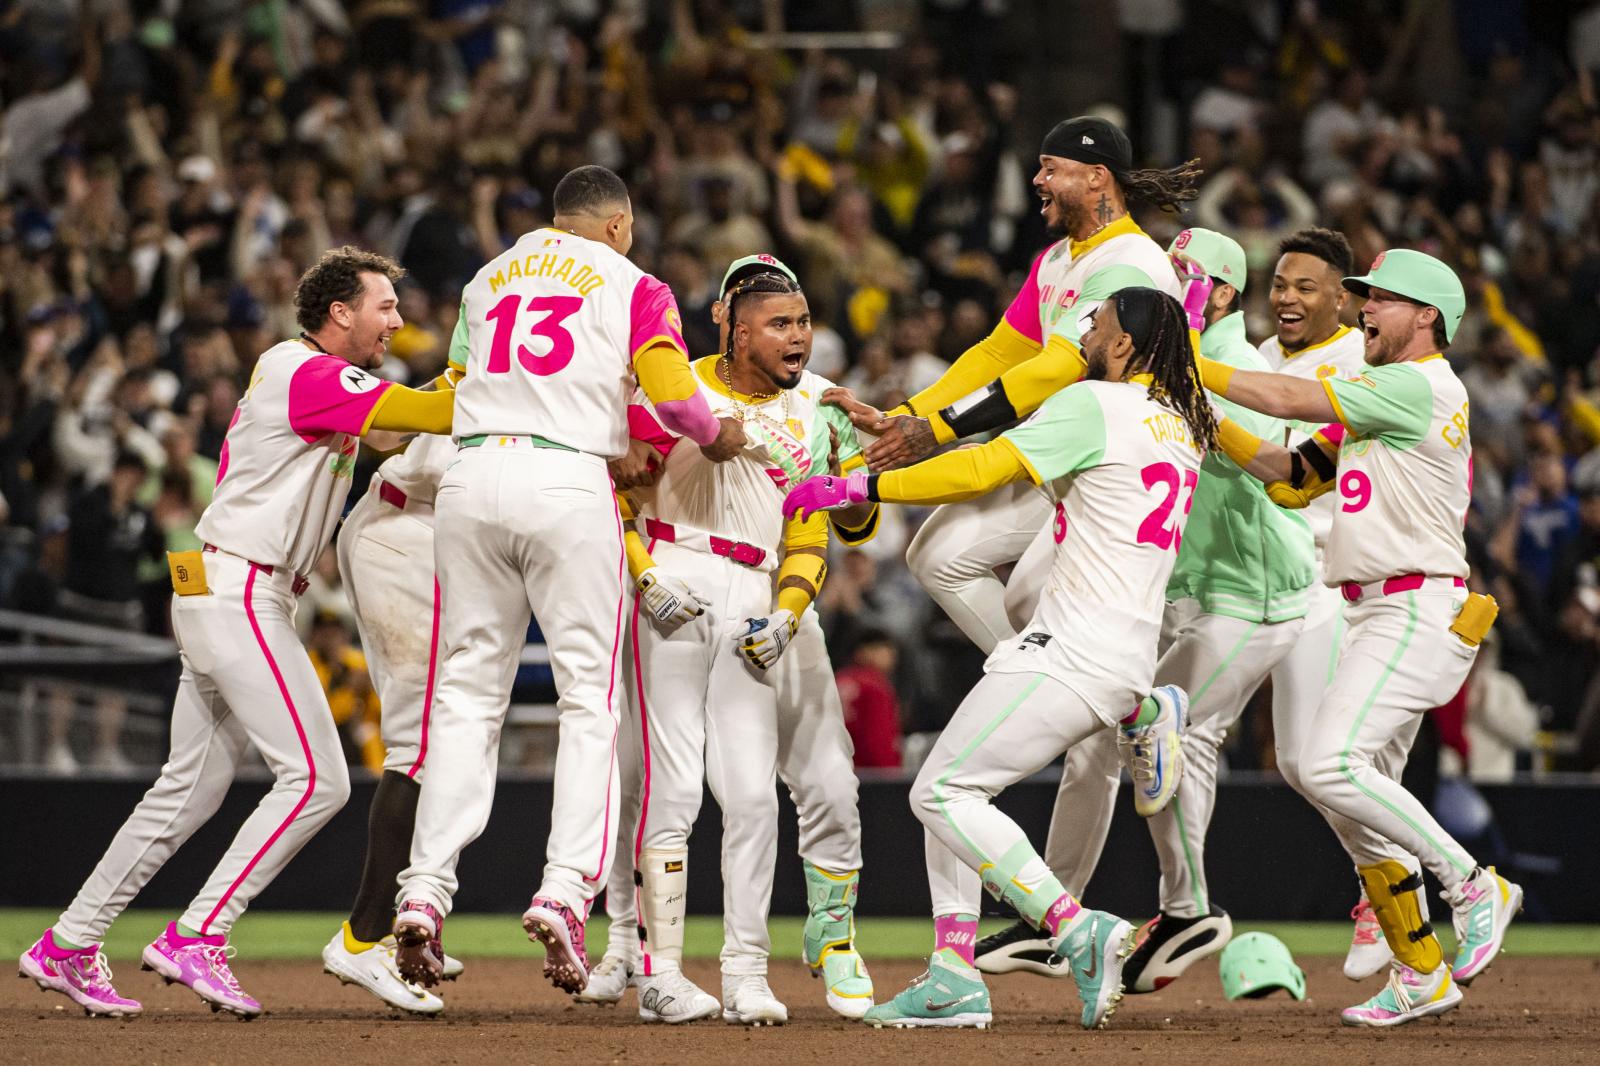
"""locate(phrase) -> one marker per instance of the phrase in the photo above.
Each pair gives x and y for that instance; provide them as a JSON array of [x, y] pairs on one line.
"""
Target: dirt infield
[[1524, 1010]]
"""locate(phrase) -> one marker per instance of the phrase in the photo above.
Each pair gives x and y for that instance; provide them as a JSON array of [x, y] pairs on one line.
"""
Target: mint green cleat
[[1096, 951], [829, 940], [951, 995]]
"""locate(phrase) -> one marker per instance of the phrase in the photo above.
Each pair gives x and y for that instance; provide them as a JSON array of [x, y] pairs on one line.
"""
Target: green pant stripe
[[1350, 741], [1338, 643], [972, 746], [1188, 858]]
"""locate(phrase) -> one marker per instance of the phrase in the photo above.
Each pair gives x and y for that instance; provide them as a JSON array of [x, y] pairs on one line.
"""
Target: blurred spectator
[[1546, 516], [109, 535], [1502, 725], [342, 669], [871, 708]]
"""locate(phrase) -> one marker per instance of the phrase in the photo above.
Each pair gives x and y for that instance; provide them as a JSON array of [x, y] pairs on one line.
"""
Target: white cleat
[[748, 1000], [1369, 952], [374, 970], [608, 982], [672, 998], [453, 968], [1153, 753]]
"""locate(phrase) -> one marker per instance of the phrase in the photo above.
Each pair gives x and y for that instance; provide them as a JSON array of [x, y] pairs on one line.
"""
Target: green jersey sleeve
[[1067, 433], [1393, 403], [458, 340], [1102, 283]]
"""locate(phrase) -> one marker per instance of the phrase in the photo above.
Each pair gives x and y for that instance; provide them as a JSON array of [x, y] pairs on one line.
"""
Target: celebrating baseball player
[[1122, 453], [551, 335], [814, 756], [281, 485], [1399, 454], [702, 685], [386, 564], [1236, 605]]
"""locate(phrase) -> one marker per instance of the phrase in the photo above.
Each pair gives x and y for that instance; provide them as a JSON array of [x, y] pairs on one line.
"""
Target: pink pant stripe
[[427, 691], [611, 693], [305, 746], [644, 741]]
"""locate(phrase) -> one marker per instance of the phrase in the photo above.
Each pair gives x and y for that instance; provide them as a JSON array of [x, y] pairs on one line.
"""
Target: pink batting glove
[[825, 493], [1196, 290]]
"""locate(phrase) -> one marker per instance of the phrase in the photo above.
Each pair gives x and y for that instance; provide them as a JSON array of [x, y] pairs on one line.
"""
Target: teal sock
[[1147, 711], [63, 942], [192, 934]]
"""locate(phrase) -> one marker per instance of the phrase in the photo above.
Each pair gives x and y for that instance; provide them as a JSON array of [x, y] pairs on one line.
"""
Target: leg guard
[[1394, 891], [663, 877], [1004, 882], [830, 913]]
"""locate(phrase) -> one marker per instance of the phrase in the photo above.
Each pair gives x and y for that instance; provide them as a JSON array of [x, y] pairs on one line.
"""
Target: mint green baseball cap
[[1217, 253], [750, 265], [1416, 276], [1257, 964]]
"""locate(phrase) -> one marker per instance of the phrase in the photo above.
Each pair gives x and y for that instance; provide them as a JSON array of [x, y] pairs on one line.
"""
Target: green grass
[[296, 935]]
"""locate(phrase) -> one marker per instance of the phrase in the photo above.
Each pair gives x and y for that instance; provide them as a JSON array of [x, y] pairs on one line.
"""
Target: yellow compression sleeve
[[805, 562], [1238, 443], [980, 364], [1021, 389], [664, 373], [639, 559], [955, 476], [406, 410]]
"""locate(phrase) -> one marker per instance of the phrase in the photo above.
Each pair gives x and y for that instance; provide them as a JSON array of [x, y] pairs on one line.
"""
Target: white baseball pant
[[816, 762], [386, 562], [523, 528], [1398, 661], [246, 679]]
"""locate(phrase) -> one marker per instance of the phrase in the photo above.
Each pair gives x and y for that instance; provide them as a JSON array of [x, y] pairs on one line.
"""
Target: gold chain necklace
[[740, 407]]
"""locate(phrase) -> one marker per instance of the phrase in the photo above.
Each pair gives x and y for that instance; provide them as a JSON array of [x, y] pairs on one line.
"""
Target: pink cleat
[[79, 974], [200, 963], [561, 932], [419, 947]]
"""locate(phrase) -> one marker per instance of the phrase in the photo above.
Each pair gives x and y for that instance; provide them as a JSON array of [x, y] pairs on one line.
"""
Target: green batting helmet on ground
[[1258, 964], [1416, 276]]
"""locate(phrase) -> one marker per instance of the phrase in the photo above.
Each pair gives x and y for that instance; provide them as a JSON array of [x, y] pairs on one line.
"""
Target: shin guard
[[1395, 895], [663, 878]]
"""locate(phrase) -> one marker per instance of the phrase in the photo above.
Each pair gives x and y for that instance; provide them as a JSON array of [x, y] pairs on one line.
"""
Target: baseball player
[[386, 564], [1399, 454], [704, 697], [281, 485], [814, 753], [1307, 299], [1236, 605], [551, 335], [1119, 450]]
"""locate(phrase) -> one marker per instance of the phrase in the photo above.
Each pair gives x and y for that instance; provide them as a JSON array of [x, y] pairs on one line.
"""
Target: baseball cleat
[[373, 967], [1153, 753], [1484, 906], [828, 940], [79, 974], [608, 981], [672, 998], [1020, 948], [1171, 945], [560, 930], [1097, 948], [451, 968], [1369, 952], [419, 946], [747, 999], [950, 995], [200, 964], [1406, 997]]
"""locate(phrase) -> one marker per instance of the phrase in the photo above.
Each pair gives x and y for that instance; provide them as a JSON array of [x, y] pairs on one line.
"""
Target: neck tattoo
[[1102, 211]]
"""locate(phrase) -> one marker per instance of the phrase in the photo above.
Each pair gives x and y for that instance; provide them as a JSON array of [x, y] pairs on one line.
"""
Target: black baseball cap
[[1091, 140]]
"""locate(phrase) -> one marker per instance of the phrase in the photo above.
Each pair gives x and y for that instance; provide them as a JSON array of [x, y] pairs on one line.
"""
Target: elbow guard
[[988, 408]]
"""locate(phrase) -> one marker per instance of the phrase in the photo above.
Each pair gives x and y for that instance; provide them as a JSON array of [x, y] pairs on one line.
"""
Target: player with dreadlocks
[[703, 543], [1119, 453]]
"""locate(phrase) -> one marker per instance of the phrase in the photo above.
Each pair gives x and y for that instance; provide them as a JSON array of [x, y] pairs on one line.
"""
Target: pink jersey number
[[1155, 529], [1061, 523], [556, 309], [1356, 488]]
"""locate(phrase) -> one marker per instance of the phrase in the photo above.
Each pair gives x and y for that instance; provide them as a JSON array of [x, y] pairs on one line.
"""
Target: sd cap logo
[[1378, 262], [1183, 239]]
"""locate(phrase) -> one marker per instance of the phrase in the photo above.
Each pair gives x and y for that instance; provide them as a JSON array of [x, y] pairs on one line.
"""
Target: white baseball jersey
[[547, 335], [1123, 469], [786, 442], [1341, 355], [416, 470], [1405, 473], [285, 468]]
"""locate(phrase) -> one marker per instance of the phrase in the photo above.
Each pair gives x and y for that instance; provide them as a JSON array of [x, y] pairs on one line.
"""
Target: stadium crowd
[[168, 168]]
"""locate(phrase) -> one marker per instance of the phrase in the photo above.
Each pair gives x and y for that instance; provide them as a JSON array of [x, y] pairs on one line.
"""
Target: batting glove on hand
[[1196, 290], [763, 639], [825, 493], [667, 599]]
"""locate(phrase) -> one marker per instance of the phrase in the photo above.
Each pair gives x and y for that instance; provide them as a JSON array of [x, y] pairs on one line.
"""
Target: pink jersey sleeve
[[642, 425], [1023, 314], [329, 395], [654, 317]]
